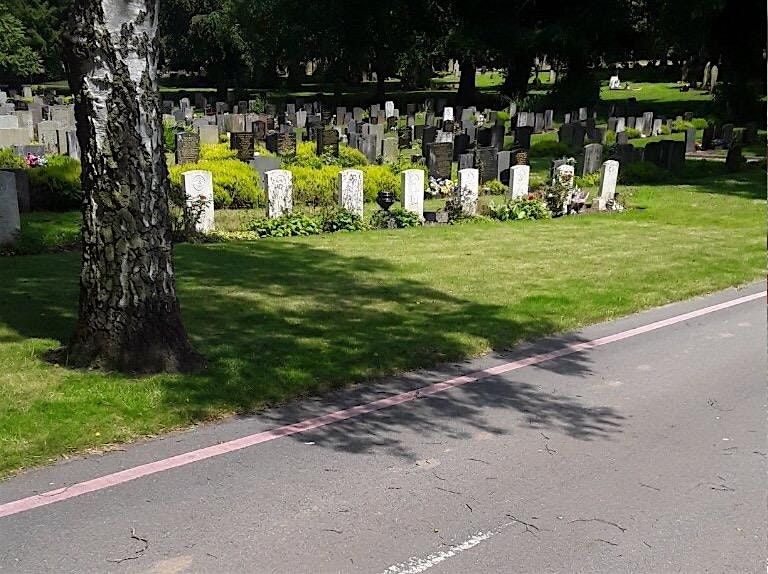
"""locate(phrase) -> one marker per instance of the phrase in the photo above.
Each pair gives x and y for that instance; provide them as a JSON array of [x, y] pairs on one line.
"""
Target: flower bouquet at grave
[[439, 187], [33, 160], [576, 201]]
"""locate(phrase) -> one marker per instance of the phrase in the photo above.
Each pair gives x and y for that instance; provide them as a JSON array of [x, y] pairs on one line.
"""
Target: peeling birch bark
[[129, 316]]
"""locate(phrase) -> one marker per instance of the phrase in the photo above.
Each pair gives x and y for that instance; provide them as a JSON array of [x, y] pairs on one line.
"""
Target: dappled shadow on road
[[495, 405], [281, 319]]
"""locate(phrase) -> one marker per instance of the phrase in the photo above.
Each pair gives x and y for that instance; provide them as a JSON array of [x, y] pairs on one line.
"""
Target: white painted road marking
[[416, 565]]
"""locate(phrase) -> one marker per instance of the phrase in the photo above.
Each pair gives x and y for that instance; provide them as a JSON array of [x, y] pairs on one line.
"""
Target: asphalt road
[[647, 454]]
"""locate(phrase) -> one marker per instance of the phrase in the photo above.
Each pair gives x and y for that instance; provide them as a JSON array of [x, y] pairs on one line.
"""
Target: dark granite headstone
[[673, 154], [497, 137], [487, 164], [242, 143], [707, 137], [187, 147], [439, 159], [428, 136], [404, 138], [460, 145], [625, 154], [418, 131], [735, 159], [327, 141], [579, 133], [653, 153], [270, 141], [286, 143], [593, 158], [484, 137], [523, 136], [259, 129], [466, 160]]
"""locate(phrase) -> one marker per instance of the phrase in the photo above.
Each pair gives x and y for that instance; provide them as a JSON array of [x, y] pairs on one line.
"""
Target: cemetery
[[323, 237]]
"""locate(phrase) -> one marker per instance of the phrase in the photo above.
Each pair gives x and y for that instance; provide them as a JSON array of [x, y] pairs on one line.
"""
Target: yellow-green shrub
[[306, 157], [216, 152], [378, 178], [235, 184], [351, 157], [314, 186]]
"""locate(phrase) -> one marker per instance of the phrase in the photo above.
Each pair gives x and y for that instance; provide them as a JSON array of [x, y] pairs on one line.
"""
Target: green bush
[[699, 123], [289, 225], [9, 160], [548, 148], [589, 180], [502, 115], [235, 184], [395, 218], [665, 131], [314, 186], [216, 152], [169, 136], [494, 187], [610, 137], [339, 219], [378, 178], [633, 133], [306, 157], [56, 185], [351, 157], [681, 125], [536, 180], [642, 172], [517, 209]]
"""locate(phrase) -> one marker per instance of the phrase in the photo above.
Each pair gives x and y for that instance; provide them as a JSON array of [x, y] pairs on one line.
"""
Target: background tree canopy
[[254, 43]]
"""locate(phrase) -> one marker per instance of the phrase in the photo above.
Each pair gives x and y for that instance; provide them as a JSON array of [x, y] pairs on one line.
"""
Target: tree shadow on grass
[[281, 319], [309, 320]]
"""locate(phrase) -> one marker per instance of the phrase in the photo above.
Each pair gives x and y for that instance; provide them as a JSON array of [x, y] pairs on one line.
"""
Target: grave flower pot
[[386, 199]]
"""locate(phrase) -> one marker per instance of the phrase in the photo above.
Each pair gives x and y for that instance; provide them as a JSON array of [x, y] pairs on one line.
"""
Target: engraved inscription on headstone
[[198, 207], [242, 143], [187, 148], [279, 183], [351, 190]]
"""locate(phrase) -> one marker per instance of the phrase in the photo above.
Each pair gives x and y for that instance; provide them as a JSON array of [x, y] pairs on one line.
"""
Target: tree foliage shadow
[[285, 319], [360, 318]]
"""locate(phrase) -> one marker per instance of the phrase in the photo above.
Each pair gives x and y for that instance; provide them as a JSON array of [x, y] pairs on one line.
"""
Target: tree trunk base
[[155, 346]]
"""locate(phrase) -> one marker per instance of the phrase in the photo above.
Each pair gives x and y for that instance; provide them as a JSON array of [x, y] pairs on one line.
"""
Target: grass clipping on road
[[284, 318]]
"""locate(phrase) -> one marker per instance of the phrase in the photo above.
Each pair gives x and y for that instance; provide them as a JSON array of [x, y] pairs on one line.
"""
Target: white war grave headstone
[[351, 190], [198, 191], [279, 183], [412, 184]]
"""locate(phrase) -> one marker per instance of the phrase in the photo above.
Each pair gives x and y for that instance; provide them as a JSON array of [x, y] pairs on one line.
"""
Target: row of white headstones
[[198, 186]]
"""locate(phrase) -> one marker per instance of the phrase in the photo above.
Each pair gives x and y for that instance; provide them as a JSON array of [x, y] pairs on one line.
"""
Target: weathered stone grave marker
[[198, 206]]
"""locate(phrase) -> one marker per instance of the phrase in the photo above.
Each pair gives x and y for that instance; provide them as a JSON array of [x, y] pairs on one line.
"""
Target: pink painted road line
[[127, 475]]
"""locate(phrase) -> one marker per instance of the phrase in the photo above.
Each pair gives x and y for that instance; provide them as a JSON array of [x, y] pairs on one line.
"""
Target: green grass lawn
[[283, 318], [665, 99]]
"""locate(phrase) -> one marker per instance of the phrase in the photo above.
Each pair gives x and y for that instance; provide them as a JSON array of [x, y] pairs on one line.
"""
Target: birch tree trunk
[[129, 316]]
